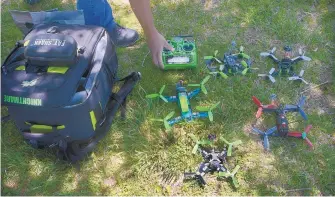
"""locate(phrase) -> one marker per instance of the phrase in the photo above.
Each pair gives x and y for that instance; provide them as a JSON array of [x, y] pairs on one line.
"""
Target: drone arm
[[193, 93], [200, 115], [268, 108], [291, 108], [204, 154], [300, 58], [171, 99], [191, 175], [203, 168], [296, 59], [274, 58], [175, 120], [294, 134], [222, 168]]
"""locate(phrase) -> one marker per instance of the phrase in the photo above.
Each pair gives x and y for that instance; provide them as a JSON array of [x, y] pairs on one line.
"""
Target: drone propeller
[[151, 96], [242, 54], [198, 143], [300, 105], [165, 120], [221, 68], [299, 77], [213, 57], [271, 54], [302, 135], [222, 74], [208, 109], [230, 145], [272, 79], [266, 135], [246, 68], [266, 54], [202, 84], [302, 56], [232, 175], [260, 106]]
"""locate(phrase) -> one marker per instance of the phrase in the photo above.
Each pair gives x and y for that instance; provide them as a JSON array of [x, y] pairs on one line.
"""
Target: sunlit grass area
[[138, 157]]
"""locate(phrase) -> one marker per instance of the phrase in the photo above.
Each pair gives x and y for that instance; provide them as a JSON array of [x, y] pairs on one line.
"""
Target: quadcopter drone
[[214, 161], [231, 63], [285, 66], [281, 120], [183, 100]]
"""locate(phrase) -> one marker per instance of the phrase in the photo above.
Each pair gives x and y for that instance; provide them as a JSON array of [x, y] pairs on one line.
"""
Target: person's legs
[[99, 12]]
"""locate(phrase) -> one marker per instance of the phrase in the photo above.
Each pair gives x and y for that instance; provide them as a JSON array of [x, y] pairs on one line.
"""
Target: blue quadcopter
[[183, 100]]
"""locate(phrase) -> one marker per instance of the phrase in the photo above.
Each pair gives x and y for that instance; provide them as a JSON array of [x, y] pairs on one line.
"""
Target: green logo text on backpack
[[22, 100]]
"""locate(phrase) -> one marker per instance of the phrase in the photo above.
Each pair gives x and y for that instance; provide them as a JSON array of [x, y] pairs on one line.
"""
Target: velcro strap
[[134, 76], [117, 98]]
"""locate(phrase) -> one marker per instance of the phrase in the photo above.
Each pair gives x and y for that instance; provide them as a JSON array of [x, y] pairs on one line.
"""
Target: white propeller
[[302, 56], [272, 79], [271, 54], [299, 77], [265, 54]]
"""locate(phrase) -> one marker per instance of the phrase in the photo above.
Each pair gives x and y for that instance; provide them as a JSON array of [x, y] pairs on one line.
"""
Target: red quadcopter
[[281, 120]]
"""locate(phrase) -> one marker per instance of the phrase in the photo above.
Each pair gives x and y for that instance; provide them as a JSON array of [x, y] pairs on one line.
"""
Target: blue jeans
[[97, 12]]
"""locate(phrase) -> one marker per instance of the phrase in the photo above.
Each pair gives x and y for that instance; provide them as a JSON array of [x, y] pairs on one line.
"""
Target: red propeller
[[260, 106], [302, 135]]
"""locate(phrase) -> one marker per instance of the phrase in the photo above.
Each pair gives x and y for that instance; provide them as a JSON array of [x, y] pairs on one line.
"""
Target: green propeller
[[213, 57], [230, 145], [165, 121], [245, 65], [231, 174], [222, 74], [151, 96], [242, 54], [201, 85], [198, 143], [208, 109]]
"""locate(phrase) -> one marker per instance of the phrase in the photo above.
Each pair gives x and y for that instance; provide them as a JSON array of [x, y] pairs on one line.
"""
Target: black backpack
[[57, 85]]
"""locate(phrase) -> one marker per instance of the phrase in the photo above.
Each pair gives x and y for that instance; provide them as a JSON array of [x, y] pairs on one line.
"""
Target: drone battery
[[184, 55]]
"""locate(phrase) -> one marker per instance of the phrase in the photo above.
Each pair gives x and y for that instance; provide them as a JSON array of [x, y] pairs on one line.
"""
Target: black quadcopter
[[285, 66], [214, 161]]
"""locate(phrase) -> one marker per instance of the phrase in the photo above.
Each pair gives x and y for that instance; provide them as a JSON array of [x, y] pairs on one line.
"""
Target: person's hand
[[156, 44]]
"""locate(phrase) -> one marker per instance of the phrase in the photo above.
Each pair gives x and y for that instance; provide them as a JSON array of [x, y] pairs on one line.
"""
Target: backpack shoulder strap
[[73, 152]]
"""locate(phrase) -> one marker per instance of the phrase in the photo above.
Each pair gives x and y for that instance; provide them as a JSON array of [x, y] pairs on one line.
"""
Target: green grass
[[144, 160]]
